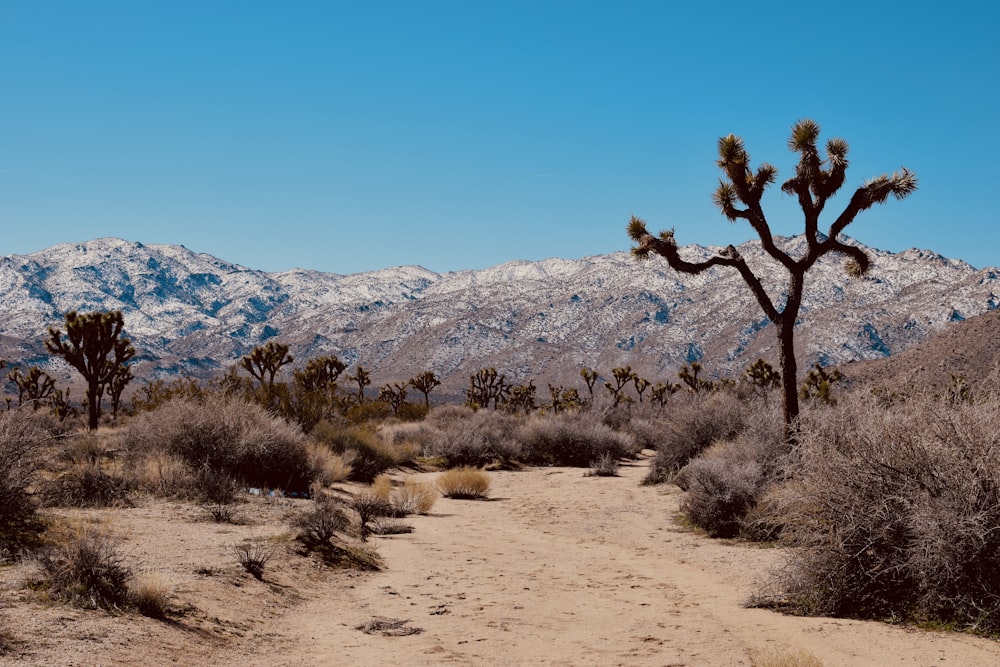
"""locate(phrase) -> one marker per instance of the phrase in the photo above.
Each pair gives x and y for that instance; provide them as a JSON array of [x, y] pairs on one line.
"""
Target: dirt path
[[562, 569]]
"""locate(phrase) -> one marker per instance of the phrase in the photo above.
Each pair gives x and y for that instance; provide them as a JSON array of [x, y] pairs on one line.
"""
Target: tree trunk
[[92, 406], [789, 375]]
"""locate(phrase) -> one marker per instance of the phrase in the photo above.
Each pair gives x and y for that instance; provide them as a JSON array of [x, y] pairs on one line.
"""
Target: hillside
[[196, 314]]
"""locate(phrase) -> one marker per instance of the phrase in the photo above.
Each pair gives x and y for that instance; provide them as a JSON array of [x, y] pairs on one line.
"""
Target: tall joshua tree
[[738, 196], [96, 348]]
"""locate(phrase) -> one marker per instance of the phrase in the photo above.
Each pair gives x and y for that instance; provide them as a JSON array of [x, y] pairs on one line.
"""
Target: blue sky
[[351, 136]]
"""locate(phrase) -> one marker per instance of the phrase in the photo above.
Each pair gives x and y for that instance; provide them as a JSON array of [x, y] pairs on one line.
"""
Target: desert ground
[[555, 568]]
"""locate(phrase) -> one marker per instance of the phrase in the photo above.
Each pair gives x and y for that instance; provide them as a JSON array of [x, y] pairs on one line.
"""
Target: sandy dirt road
[[562, 569]]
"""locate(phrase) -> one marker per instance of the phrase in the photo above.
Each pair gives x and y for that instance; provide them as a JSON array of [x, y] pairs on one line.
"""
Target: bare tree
[[738, 196]]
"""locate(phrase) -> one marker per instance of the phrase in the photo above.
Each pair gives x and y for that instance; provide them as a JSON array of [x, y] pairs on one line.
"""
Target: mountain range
[[194, 314]]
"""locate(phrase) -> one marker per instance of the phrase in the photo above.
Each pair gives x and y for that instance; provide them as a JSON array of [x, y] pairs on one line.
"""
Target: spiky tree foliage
[[640, 384], [622, 376], [564, 399], [521, 398], [425, 383], [320, 374], [116, 387], [739, 198], [486, 386], [662, 391], [96, 347], [264, 362], [34, 387], [689, 376], [819, 384], [762, 374], [394, 394], [361, 378]]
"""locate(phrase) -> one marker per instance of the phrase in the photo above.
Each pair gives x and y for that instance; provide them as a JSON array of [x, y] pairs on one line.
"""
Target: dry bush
[[606, 465], [571, 440], [480, 438], [230, 436], [369, 456], [253, 556], [409, 497], [894, 511], [414, 497], [782, 658], [85, 568], [151, 594], [87, 484], [464, 483], [696, 421], [330, 468], [725, 483], [370, 506], [319, 525], [409, 436], [163, 474], [21, 440]]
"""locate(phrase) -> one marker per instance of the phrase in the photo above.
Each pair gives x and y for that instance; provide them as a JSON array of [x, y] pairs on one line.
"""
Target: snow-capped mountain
[[193, 313]]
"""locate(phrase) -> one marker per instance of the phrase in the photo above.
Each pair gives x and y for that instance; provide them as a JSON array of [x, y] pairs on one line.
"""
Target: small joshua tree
[[264, 362], [484, 386], [362, 379], [739, 197], [622, 375], [425, 383], [96, 348]]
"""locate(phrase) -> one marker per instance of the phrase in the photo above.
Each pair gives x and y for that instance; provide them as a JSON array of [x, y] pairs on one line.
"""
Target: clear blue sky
[[350, 136]]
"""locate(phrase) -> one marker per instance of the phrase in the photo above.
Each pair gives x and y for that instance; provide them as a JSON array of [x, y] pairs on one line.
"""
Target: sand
[[554, 569]]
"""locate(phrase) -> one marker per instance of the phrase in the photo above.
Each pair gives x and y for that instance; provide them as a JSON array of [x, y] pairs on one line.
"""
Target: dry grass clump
[[894, 511], [479, 438], [464, 483], [388, 627], [780, 658], [151, 594], [576, 439], [86, 568], [606, 465], [409, 497], [228, 436], [697, 421]]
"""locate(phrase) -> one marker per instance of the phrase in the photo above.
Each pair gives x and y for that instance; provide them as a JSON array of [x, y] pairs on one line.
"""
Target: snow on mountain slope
[[193, 313]]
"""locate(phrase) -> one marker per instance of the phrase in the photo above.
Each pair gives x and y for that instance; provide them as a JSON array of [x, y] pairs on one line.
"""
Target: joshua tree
[[362, 379], [394, 394], [762, 374], [589, 376], [485, 386], [96, 348], [265, 361], [623, 375], [425, 383], [738, 196], [34, 387], [689, 376]]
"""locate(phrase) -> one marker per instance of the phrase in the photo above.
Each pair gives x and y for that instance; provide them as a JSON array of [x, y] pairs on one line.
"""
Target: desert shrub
[[787, 658], [86, 568], [606, 465], [696, 421], [321, 523], [895, 511], [480, 438], [413, 497], [227, 435], [253, 556], [445, 416], [368, 412], [409, 497], [163, 474], [412, 437], [150, 592], [464, 483], [726, 482], [21, 439], [369, 455], [571, 440], [86, 485], [369, 505]]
